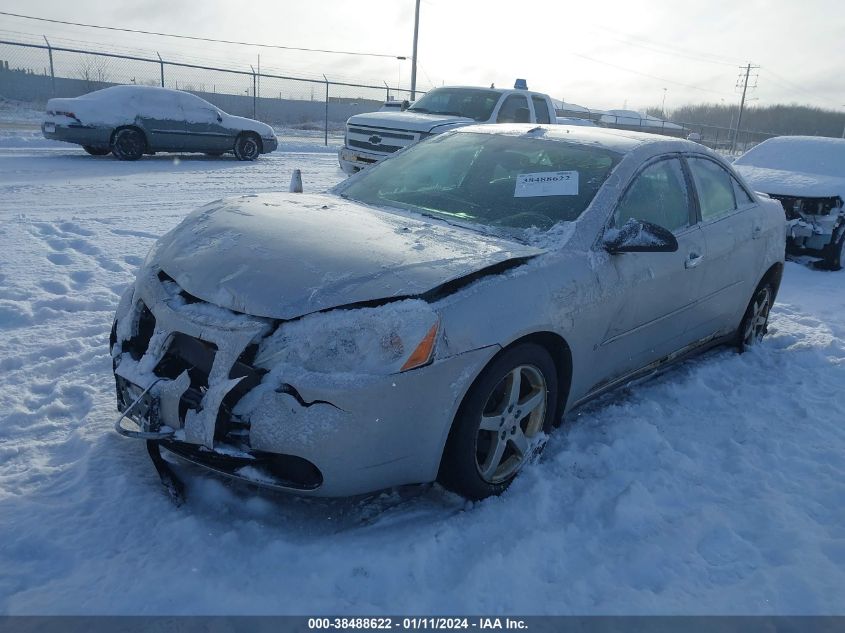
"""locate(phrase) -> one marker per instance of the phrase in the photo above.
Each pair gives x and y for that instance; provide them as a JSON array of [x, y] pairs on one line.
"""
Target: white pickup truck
[[373, 136]]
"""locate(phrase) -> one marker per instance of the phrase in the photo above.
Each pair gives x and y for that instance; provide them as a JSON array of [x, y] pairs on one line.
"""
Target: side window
[[514, 110], [715, 188], [741, 194], [658, 195], [158, 104], [541, 109]]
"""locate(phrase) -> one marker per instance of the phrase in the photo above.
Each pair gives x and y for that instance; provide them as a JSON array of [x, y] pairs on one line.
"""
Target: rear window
[[494, 180], [541, 109]]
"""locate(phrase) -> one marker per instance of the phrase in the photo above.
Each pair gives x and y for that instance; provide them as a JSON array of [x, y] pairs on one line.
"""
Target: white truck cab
[[373, 136]]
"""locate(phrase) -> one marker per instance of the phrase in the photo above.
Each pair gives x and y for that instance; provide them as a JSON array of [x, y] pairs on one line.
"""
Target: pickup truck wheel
[[247, 147], [96, 151], [755, 323], [502, 422], [128, 144]]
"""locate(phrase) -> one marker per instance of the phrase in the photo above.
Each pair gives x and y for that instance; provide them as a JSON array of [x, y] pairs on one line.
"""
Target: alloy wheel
[[511, 425]]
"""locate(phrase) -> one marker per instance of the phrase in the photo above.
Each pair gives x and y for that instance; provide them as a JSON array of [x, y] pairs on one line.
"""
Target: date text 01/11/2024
[[386, 623]]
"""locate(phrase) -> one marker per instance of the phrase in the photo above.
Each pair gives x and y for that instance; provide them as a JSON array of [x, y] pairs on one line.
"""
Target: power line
[[785, 83], [200, 39], [664, 49], [637, 72]]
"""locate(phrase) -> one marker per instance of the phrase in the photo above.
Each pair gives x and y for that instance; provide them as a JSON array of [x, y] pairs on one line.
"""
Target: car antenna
[[296, 182]]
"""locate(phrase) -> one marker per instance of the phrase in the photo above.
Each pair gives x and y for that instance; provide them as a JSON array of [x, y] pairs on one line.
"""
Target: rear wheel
[[96, 151], [755, 323], [247, 147], [128, 144], [502, 422]]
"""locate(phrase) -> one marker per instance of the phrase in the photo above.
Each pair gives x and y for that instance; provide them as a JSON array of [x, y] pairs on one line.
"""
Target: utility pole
[[745, 87], [414, 58]]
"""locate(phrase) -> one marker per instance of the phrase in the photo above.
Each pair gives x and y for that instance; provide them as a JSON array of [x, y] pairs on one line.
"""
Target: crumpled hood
[[408, 120], [286, 255], [791, 183]]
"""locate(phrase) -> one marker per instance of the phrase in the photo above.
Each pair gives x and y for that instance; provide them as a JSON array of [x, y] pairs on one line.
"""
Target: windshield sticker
[[546, 183]]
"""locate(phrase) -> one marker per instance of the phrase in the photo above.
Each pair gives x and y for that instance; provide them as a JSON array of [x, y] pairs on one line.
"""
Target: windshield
[[493, 180], [466, 102], [822, 156]]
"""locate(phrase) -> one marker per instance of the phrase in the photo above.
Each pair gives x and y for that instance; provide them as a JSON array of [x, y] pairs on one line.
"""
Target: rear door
[[734, 255], [160, 116], [656, 292], [514, 109]]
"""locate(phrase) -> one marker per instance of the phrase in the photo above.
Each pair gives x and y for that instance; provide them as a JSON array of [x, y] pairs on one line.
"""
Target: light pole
[[663, 107], [414, 58]]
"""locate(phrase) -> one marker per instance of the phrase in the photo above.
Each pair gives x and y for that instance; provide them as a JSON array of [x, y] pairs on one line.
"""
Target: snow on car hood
[[791, 183], [285, 255], [408, 120], [252, 125]]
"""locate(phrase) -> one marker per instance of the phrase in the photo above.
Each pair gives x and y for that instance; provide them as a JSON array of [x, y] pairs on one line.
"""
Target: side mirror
[[219, 117], [405, 104], [638, 236]]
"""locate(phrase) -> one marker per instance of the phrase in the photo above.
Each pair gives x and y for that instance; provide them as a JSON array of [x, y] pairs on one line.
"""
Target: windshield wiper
[[451, 113], [426, 110]]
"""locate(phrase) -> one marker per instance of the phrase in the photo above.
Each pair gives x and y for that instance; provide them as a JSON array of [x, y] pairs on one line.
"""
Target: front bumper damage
[[185, 383]]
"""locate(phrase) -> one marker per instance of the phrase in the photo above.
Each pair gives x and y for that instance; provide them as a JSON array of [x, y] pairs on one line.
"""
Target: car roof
[[620, 141], [499, 90], [129, 89]]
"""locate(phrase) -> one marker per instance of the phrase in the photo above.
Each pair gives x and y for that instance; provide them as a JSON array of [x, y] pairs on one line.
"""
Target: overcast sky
[[599, 54]]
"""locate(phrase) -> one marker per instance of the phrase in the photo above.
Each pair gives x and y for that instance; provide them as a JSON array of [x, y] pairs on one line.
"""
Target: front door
[[204, 124], [160, 116], [654, 293]]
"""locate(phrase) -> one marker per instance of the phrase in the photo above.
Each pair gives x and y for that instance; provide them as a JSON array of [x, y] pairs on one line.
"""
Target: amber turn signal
[[424, 350]]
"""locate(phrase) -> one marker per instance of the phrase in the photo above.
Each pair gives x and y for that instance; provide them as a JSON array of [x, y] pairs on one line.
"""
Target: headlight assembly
[[388, 339]]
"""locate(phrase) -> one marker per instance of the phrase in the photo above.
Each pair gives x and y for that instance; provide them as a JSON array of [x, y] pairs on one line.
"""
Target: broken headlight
[[383, 340]]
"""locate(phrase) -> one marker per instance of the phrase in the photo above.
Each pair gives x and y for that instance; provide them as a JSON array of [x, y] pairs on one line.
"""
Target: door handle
[[756, 232], [693, 260]]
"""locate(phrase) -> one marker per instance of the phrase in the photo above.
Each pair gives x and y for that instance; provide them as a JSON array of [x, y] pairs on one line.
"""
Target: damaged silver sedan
[[435, 316]]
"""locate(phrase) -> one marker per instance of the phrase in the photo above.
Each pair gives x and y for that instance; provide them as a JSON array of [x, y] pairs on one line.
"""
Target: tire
[[755, 322], [128, 144], [836, 254], [96, 151], [493, 435], [247, 147]]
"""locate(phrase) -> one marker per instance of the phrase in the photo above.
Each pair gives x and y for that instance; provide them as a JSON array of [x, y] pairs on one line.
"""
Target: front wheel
[[755, 323], [502, 422], [96, 151], [837, 253], [128, 144], [247, 147]]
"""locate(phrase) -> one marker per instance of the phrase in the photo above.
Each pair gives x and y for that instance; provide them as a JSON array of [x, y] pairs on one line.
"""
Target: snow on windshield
[[809, 154], [490, 180]]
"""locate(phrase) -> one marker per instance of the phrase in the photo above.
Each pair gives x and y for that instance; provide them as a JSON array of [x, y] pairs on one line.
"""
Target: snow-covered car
[[807, 175], [130, 121], [432, 318]]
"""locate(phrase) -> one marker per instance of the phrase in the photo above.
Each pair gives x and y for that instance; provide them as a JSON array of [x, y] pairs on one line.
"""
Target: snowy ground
[[716, 488]]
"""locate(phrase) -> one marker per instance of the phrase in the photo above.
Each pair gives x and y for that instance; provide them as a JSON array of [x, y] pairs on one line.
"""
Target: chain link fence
[[36, 72]]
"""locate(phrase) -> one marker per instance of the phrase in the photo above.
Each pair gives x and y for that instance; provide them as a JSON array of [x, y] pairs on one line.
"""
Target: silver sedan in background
[[436, 315], [130, 121]]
